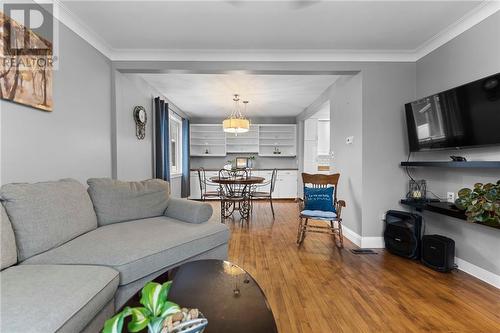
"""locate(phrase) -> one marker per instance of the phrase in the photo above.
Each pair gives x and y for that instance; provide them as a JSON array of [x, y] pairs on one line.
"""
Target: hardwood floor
[[318, 288]]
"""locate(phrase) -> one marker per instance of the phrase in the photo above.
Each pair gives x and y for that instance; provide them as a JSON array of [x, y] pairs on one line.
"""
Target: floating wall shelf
[[451, 164]]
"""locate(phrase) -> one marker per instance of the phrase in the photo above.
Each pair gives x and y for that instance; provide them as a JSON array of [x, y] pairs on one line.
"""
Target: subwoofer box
[[438, 252], [402, 233]]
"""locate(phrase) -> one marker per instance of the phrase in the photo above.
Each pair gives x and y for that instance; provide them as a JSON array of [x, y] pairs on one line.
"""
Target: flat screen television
[[465, 116]]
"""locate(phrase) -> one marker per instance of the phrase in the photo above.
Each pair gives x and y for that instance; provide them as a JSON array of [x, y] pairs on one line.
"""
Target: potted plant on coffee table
[[157, 314]]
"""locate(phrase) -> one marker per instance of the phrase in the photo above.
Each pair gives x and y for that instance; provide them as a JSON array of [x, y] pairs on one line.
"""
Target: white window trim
[[178, 173]]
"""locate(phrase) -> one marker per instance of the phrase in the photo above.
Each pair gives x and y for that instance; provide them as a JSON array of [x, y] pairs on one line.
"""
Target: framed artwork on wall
[[26, 66]]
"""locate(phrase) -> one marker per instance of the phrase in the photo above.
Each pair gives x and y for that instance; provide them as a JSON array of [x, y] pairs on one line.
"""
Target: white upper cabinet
[[243, 142], [272, 140], [277, 140], [207, 140]]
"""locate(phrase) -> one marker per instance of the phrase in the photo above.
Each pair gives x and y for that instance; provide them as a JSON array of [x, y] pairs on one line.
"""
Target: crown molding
[[478, 14], [70, 20], [263, 55], [475, 16]]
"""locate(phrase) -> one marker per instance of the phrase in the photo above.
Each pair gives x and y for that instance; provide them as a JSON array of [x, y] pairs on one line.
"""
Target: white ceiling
[[146, 28], [210, 95]]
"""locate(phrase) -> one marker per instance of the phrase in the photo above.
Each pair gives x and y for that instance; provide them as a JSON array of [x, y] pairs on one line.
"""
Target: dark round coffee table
[[226, 294]]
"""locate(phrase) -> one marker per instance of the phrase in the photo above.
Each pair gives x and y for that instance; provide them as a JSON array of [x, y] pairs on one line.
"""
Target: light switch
[[349, 140]]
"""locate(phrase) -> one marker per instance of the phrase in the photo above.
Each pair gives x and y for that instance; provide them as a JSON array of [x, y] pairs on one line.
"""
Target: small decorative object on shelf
[[276, 151], [206, 151], [251, 162], [141, 119], [157, 314], [481, 204], [417, 189]]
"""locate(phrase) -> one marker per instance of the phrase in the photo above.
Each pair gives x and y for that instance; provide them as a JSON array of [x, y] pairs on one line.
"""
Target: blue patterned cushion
[[319, 199], [318, 214]]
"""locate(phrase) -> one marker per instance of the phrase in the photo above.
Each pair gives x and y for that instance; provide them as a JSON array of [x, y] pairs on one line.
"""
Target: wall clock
[[141, 119]]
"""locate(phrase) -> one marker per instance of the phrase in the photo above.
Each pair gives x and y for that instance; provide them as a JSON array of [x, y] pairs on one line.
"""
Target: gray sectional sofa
[[71, 256]]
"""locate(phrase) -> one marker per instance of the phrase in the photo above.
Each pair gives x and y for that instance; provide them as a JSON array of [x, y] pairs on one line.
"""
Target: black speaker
[[402, 233], [438, 252]]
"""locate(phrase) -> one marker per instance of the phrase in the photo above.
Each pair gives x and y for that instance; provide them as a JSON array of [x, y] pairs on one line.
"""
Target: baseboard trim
[[351, 235], [363, 242], [478, 272], [372, 242], [465, 266]]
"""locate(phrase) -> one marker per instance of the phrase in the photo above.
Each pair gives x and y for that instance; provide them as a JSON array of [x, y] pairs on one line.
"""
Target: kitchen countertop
[[255, 169]]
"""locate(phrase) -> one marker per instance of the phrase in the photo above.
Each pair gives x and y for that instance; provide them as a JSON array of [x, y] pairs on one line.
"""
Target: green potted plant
[[153, 314], [481, 203]]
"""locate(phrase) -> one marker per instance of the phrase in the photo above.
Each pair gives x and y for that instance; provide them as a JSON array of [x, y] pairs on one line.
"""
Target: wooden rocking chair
[[322, 181]]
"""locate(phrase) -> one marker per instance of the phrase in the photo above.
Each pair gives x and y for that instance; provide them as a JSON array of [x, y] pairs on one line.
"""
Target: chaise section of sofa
[[54, 298], [92, 250]]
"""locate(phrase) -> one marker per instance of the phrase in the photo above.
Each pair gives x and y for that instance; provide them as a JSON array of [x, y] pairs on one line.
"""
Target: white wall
[[470, 56], [73, 140]]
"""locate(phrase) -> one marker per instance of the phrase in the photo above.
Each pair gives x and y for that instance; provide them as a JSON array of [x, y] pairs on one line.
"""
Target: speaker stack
[[402, 236]]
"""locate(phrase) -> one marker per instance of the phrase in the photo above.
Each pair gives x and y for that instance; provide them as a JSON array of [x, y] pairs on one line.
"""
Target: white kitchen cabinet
[[286, 184], [271, 140]]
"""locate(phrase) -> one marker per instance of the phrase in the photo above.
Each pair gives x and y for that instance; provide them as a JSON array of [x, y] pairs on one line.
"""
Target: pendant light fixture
[[236, 122]]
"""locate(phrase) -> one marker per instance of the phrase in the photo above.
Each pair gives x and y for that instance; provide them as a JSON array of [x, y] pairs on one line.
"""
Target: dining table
[[235, 194]]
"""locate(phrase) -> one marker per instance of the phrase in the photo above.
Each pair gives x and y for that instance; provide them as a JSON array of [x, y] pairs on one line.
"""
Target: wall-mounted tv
[[461, 117]]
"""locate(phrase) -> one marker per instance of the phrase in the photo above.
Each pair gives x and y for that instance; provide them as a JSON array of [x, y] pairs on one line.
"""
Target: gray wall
[[369, 106], [386, 88], [260, 162], [346, 113], [74, 140], [470, 56], [134, 158]]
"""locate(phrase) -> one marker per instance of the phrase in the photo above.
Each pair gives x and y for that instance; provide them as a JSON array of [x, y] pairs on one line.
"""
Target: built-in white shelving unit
[[277, 140], [244, 142], [207, 140], [271, 140]]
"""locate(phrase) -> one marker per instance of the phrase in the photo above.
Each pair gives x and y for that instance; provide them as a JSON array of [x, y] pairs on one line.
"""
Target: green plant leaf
[[464, 192], [140, 319], [115, 323], [488, 206], [166, 288], [169, 308], [155, 325], [152, 298]]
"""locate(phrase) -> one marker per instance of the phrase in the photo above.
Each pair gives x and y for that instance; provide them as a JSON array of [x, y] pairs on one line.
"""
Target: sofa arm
[[188, 210]]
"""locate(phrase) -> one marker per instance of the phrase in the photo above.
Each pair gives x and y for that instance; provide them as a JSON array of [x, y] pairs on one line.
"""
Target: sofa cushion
[[189, 210], [118, 201], [8, 248], [46, 215], [54, 298], [140, 247]]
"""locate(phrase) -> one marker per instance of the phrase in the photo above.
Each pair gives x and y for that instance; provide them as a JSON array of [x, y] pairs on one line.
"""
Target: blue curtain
[[185, 189], [162, 140]]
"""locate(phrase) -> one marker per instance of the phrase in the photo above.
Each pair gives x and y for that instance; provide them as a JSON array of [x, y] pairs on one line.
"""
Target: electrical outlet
[[450, 197], [349, 140]]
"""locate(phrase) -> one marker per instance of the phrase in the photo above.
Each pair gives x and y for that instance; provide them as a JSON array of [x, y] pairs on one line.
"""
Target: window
[[175, 144]]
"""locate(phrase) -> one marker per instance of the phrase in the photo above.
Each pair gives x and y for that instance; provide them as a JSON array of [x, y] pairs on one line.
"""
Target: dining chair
[[234, 195], [322, 181], [207, 188], [258, 192]]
